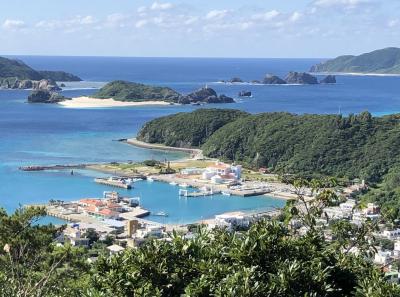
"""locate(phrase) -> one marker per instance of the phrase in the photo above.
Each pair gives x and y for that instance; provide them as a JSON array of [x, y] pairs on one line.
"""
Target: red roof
[[107, 212], [90, 201], [91, 208], [113, 205], [220, 166]]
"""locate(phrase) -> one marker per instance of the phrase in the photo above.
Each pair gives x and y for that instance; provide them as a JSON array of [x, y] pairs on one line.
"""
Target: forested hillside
[[187, 129], [385, 60], [354, 146]]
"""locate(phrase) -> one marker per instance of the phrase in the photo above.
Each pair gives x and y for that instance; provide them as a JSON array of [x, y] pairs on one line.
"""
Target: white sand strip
[[88, 102]]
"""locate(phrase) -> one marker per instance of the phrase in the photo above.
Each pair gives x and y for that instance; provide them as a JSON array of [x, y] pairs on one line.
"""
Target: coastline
[[195, 153], [357, 74], [89, 102]]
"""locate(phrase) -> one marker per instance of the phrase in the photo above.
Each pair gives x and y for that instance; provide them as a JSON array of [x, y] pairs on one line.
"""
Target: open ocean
[[49, 134]]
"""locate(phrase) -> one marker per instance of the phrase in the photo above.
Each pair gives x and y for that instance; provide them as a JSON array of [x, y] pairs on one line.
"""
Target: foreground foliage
[[270, 259]]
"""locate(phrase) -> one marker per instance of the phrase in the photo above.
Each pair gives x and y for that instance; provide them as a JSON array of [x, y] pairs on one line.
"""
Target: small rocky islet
[[293, 77]]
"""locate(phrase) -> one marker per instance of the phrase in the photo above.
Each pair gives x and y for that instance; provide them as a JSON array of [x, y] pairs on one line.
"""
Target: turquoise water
[[48, 134]]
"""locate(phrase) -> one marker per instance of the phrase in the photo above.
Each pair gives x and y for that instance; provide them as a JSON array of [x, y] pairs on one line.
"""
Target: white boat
[[226, 193], [161, 214], [173, 183], [184, 185], [150, 179]]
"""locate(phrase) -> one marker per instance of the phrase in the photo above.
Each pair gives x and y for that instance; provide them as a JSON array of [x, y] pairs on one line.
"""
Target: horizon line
[[156, 57]]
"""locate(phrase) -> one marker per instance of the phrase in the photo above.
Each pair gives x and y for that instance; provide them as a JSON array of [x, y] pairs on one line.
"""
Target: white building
[[192, 171], [348, 206], [382, 257], [150, 231], [335, 213], [391, 234], [231, 220], [115, 249], [225, 171]]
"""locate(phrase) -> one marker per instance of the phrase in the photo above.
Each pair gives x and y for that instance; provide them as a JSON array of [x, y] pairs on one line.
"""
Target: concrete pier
[[113, 183]]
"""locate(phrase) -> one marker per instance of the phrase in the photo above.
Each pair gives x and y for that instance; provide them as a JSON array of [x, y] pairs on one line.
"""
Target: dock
[[113, 183], [216, 188], [62, 212], [186, 193], [53, 167]]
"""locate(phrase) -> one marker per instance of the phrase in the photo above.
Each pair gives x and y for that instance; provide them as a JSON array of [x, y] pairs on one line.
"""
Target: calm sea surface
[[48, 134]]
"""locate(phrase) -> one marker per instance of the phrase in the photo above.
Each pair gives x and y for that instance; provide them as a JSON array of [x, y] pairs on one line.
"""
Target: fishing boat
[[161, 214]]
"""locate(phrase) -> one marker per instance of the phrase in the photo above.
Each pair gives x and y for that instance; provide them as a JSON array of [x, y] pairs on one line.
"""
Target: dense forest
[[356, 146], [187, 129], [130, 91]]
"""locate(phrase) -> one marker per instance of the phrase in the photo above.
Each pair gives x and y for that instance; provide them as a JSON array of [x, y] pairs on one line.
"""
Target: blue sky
[[223, 28]]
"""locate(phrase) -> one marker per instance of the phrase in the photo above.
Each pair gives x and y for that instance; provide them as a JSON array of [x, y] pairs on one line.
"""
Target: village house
[[220, 172]]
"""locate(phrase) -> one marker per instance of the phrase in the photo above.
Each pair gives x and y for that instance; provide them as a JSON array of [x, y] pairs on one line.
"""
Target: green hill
[[187, 129], [59, 76], [384, 61], [130, 91], [355, 146], [16, 68], [11, 68]]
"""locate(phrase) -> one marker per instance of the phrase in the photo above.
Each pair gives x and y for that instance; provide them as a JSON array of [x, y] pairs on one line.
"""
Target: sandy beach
[[88, 102]]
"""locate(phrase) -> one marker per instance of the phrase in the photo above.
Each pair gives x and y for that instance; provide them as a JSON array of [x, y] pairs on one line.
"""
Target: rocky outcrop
[[270, 79], [301, 78], [245, 94], [43, 84], [206, 95], [329, 79], [45, 96], [59, 76], [236, 80]]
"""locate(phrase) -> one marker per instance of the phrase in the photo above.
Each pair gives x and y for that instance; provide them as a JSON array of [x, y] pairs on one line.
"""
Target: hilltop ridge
[[383, 61]]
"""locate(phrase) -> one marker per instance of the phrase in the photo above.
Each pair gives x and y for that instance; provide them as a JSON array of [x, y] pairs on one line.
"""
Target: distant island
[[124, 93], [383, 61], [293, 78], [15, 74]]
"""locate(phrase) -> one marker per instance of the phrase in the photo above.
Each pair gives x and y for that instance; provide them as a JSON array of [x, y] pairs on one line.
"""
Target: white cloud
[[13, 24], [69, 25], [346, 4], [116, 20], [393, 23], [216, 14], [86, 20], [295, 16], [267, 16], [141, 9], [141, 23], [161, 6], [191, 20]]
